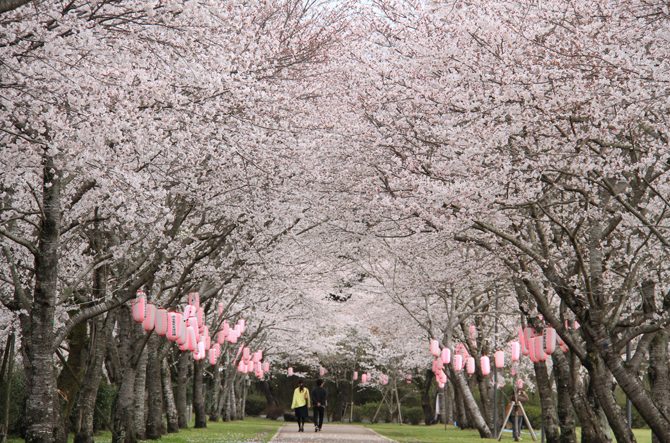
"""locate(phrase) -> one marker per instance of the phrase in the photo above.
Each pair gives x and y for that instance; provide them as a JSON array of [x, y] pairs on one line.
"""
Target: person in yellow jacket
[[301, 404]]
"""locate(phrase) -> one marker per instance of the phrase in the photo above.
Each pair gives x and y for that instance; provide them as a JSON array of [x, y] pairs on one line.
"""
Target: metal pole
[[629, 405]]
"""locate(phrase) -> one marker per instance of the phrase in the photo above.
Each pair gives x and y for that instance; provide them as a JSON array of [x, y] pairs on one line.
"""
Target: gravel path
[[330, 433]]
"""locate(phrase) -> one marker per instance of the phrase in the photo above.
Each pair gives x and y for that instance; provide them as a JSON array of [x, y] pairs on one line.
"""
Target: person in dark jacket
[[319, 399]]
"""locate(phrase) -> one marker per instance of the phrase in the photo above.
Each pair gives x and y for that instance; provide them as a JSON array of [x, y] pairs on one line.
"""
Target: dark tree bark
[[140, 400], [131, 343], [199, 394], [38, 338], [215, 391], [154, 428], [168, 398], [183, 365], [566, 419], [70, 377], [101, 334], [470, 404], [549, 418], [424, 385], [659, 377]]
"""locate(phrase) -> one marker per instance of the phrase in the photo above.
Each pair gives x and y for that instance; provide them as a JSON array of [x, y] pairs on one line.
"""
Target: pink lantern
[[528, 333], [225, 328], [208, 342], [290, 372], [322, 371], [161, 322], [189, 311], [485, 364], [499, 358], [212, 356], [516, 350], [457, 362], [149, 317], [440, 385], [364, 378], [139, 306], [434, 347], [182, 336], [173, 328], [219, 309], [446, 356], [355, 375], [562, 344], [220, 337], [201, 349], [522, 342], [266, 366], [232, 337], [519, 383], [470, 365], [575, 325], [540, 355], [550, 340], [191, 342], [246, 353], [532, 351], [242, 367]]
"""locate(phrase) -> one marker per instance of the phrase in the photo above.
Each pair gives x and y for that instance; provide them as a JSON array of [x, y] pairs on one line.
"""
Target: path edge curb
[[276, 433], [380, 435]]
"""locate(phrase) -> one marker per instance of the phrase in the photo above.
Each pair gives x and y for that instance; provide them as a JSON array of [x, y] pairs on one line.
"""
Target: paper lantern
[[516, 350], [322, 371], [246, 353], [200, 315], [575, 325], [470, 365], [242, 367], [485, 364], [290, 372], [212, 356], [446, 356], [191, 342], [149, 317], [232, 337], [440, 385], [434, 347], [499, 358], [208, 342], [266, 366], [522, 342], [562, 344], [182, 334], [528, 334], [139, 307], [519, 384], [355, 377], [173, 328], [219, 309], [540, 355], [161, 322], [364, 378], [550, 340], [225, 327], [457, 362], [189, 311]]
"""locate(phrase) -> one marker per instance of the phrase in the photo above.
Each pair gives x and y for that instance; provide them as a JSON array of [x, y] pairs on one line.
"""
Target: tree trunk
[[101, 334], [549, 419], [5, 384], [140, 399], [155, 427], [602, 386], [470, 404], [659, 377], [199, 394], [425, 398], [183, 365], [168, 398], [215, 390], [566, 418], [38, 339], [461, 416], [70, 377], [485, 397], [130, 342]]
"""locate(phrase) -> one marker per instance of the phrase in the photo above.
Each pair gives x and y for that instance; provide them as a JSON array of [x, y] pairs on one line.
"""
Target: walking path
[[329, 434]]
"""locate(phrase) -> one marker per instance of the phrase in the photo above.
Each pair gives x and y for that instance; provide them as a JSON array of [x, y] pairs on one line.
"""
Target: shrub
[[413, 415], [274, 412], [254, 405]]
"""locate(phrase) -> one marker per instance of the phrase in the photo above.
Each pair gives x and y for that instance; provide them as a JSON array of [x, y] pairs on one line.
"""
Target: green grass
[[436, 433], [250, 429]]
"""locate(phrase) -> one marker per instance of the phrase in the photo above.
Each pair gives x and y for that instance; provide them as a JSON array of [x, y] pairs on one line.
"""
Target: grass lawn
[[436, 433], [248, 430]]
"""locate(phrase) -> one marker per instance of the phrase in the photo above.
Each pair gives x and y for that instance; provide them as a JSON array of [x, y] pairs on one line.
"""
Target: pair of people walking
[[302, 401]]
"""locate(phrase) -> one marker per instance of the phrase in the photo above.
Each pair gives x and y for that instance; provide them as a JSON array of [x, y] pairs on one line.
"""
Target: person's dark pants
[[318, 416], [517, 422]]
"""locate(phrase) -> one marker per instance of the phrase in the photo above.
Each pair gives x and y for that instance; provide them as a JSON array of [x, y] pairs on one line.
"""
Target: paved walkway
[[329, 434]]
